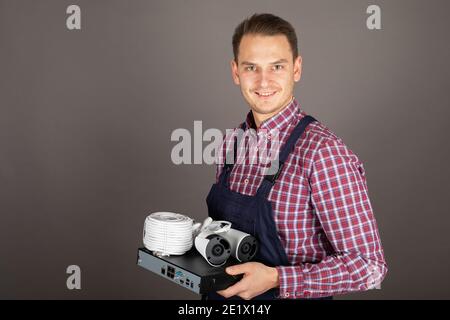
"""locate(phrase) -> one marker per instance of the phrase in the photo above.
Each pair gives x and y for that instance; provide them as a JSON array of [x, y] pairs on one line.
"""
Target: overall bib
[[254, 214]]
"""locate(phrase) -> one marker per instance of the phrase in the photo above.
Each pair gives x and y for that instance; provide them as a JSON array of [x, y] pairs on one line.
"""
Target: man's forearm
[[334, 275]]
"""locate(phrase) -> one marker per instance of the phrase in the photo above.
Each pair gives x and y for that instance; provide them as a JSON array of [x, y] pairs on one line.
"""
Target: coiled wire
[[168, 233]]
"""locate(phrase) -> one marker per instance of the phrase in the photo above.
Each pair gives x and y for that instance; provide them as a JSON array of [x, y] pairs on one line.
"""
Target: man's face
[[266, 73]]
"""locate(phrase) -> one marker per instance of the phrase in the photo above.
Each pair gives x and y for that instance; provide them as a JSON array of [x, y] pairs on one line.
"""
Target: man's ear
[[297, 69], [234, 72]]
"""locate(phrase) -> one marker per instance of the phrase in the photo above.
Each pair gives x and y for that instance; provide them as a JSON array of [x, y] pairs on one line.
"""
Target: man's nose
[[264, 79]]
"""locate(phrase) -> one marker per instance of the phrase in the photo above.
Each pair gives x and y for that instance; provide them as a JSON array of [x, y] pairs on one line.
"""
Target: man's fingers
[[239, 269]]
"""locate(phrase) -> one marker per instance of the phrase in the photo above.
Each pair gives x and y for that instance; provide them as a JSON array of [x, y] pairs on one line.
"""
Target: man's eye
[[278, 67], [250, 68]]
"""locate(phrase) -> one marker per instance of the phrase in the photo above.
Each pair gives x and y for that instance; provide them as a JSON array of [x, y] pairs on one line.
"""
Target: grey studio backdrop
[[86, 118]]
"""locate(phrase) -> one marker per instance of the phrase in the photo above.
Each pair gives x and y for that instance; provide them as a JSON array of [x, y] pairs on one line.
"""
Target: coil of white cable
[[168, 233]]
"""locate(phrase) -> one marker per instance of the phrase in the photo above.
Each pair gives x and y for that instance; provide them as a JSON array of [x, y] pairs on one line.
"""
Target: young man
[[313, 218]]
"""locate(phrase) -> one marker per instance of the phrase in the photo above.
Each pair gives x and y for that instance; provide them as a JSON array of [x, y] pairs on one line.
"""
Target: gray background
[[86, 118]]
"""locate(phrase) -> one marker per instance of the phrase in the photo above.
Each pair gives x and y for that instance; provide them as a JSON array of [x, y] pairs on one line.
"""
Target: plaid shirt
[[321, 209]]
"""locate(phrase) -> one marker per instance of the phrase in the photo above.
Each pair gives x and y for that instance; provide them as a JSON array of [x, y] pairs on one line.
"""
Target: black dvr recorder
[[190, 270]]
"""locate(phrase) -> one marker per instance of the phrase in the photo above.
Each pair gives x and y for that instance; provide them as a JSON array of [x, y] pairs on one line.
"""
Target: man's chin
[[265, 111], [266, 107]]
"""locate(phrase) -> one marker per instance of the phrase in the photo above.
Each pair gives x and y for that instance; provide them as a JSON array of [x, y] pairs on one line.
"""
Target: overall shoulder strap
[[286, 150]]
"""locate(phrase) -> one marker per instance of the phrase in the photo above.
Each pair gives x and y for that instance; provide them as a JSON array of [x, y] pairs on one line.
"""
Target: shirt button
[[286, 294], [246, 181]]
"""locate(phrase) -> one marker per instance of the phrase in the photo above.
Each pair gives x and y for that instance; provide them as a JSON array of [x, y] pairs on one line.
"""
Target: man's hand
[[257, 279]]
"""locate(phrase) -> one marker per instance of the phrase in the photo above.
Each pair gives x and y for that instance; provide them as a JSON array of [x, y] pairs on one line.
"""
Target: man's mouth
[[265, 94]]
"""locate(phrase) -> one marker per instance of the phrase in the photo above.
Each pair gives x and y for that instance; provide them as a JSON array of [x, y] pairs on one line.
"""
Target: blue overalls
[[254, 214]]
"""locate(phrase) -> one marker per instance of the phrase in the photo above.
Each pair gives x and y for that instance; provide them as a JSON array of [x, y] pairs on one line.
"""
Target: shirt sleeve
[[340, 199]]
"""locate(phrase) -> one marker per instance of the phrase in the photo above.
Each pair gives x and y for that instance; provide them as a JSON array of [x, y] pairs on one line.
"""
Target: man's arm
[[341, 202]]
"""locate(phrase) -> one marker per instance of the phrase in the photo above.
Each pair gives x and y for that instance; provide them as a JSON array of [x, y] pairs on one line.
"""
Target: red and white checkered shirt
[[321, 209]]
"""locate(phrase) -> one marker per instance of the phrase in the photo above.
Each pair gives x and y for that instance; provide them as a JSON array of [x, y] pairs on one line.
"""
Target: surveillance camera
[[212, 245], [243, 245]]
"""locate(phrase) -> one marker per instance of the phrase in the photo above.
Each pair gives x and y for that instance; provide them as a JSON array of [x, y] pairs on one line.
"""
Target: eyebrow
[[275, 62]]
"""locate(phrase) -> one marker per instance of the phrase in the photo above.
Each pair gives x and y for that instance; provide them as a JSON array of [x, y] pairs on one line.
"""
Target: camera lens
[[217, 250], [245, 248]]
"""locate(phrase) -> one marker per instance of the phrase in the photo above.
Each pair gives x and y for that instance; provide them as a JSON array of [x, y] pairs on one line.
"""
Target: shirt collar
[[278, 121]]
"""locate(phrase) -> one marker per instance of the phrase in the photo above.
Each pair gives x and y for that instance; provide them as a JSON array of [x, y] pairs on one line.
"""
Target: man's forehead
[[278, 61], [264, 49]]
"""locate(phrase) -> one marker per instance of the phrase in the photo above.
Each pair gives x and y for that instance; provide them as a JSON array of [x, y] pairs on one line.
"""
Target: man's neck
[[261, 117]]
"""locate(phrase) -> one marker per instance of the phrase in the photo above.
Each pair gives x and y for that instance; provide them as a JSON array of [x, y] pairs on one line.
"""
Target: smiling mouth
[[265, 94]]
